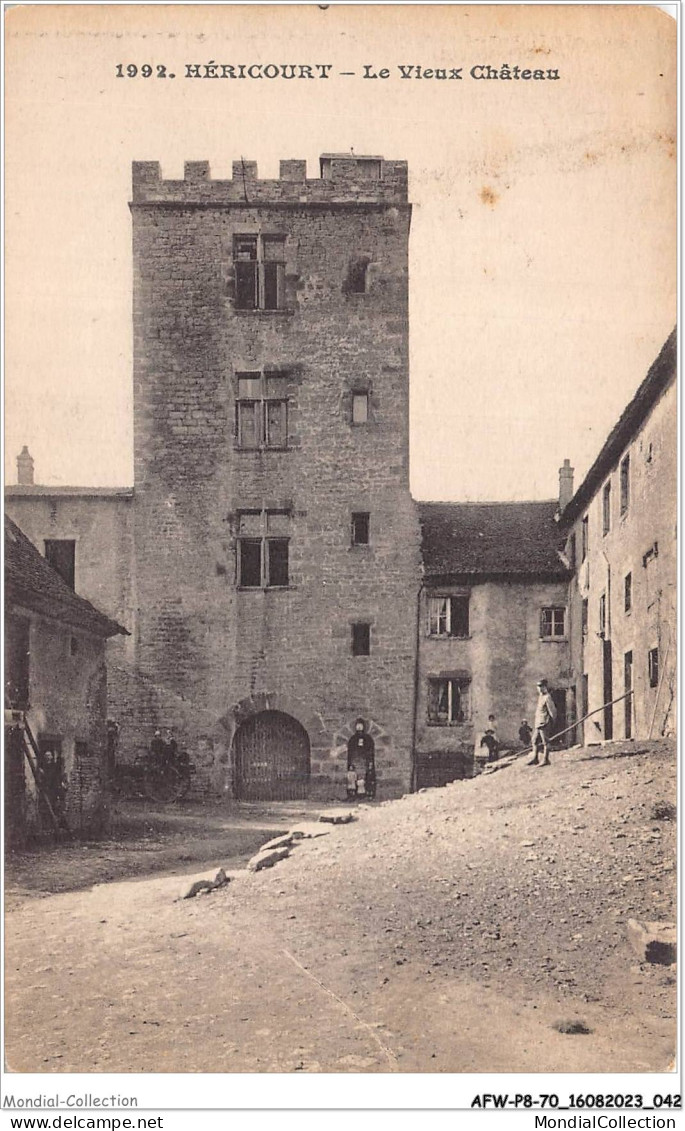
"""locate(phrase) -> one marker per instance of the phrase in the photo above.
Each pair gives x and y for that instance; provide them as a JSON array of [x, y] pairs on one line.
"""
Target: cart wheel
[[164, 784]]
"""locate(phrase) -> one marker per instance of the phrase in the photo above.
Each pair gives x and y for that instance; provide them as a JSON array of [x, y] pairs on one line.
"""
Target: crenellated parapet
[[344, 179]]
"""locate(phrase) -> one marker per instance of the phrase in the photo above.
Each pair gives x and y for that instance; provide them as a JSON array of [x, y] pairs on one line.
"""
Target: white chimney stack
[[25, 468]]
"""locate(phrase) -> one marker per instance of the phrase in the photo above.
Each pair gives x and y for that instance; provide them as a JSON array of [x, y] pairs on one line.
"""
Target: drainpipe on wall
[[412, 785]]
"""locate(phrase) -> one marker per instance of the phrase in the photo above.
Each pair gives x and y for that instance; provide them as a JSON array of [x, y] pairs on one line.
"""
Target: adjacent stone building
[[492, 621], [86, 534], [56, 682], [621, 541]]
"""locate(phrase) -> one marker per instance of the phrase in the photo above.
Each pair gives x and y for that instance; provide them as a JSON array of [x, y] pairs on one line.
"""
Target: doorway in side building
[[271, 758], [608, 689], [628, 687], [559, 695]]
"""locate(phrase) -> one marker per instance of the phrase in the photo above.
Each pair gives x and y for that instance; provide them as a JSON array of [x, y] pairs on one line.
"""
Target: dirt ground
[[456, 930]]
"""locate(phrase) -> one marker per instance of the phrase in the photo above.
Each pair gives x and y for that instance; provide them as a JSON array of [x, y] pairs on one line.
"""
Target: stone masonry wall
[[213, 652], [651, 622], [100, 523], [504, 656]]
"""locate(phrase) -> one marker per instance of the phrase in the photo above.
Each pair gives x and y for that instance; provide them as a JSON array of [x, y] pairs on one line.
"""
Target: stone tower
[[276, 540]]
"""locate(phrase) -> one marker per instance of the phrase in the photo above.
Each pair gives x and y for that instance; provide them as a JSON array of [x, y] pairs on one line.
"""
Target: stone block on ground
[[283, 841], [206, 884], [653, 942], [307, 830], [267, 859], [337, 817]]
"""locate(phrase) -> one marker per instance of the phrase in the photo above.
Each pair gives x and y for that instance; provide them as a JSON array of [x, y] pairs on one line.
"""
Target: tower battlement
[[344, 179]]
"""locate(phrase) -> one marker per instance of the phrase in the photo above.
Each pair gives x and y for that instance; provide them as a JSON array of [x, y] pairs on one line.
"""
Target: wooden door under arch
[[271, 758]]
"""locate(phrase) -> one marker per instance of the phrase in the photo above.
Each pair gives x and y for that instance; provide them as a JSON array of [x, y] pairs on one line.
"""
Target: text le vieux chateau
[[214, 70]]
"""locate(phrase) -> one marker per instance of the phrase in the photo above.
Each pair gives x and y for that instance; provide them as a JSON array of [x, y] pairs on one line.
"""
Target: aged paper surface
[[540, 143]]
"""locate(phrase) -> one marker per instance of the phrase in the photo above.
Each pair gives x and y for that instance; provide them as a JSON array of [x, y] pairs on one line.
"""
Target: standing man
[[545, 714], [361, 763]]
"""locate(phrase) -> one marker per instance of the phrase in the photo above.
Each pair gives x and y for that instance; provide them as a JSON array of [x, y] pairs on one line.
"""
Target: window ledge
[[555, 639], [265, 588], [251, 311], [447, 636], [262, 448], [433, 723]]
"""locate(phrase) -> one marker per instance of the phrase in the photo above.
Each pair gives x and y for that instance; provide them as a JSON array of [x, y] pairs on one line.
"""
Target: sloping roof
[[31, 582], [661, 374], [508, 540]]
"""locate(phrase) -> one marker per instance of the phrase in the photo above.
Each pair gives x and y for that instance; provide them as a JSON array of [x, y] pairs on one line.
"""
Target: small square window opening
[[628, 592], [360, 528], [360, 408], [553, 622], [361, 639]]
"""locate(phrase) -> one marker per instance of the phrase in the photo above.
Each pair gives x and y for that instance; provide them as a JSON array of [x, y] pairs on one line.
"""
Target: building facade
[[620, 529], [493, 620], [56, 684]]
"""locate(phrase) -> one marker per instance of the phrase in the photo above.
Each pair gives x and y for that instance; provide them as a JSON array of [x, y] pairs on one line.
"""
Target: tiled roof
[[510, 540], [31, 582]]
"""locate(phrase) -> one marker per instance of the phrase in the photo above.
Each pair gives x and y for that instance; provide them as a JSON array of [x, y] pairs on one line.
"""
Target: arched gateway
[[271, 758]]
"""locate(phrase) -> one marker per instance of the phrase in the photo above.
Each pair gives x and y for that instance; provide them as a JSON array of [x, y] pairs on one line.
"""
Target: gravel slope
[[451, 931]]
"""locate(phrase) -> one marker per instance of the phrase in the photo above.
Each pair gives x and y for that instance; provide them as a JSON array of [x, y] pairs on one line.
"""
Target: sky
[[542, 248]]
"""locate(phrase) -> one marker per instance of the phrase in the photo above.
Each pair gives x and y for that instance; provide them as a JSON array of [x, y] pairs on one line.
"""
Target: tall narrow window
[[628, 592], [262, 411], [355, 282], [360, 408], [625, 484], [275, 412], [602, 614], [360, 528], [606, 508], [584, 616], [653, 667], [17, 661], [263, 550], [259, 263], [246, 272], [61, 554], [585, 537], [248, 408], [361, 639]]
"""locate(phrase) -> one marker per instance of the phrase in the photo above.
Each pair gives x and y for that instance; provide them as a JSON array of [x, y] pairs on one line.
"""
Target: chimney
[[565, 484], [25, 467]]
